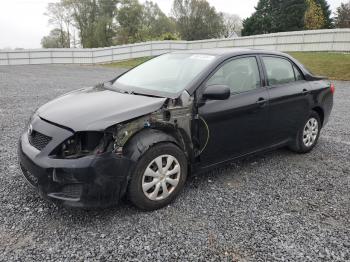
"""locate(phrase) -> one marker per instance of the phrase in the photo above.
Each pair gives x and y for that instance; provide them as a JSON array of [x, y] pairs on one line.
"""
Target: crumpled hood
[[97, 108]]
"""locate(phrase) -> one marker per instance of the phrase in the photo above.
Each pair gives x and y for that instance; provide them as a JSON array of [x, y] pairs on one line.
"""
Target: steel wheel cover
[[310, 132], [161, 177]]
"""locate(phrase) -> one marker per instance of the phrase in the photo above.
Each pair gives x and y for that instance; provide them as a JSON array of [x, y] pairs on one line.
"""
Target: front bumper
[[91, 181]]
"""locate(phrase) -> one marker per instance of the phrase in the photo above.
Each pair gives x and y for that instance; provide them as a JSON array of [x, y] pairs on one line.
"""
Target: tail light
[[332, 87]]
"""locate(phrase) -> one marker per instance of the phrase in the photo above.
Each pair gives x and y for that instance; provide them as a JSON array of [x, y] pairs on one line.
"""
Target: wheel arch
[[139, 143], [320, 113]]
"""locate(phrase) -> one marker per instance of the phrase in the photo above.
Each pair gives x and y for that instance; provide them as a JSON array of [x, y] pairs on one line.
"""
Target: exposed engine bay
[[175, 118]]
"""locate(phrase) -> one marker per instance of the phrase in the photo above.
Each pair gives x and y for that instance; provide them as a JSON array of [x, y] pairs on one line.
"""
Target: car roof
[[222, 54], [229, 51]]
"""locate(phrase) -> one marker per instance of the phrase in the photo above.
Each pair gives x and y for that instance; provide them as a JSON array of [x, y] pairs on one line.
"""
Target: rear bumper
[[91, 181], [327, 109]]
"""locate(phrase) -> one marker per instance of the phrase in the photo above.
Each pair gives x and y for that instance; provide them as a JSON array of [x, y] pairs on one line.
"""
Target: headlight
[[32, 116], [83, 144], [30, 129]]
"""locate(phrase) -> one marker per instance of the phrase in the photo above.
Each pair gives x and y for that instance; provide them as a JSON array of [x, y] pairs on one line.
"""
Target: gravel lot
[[280, 206]]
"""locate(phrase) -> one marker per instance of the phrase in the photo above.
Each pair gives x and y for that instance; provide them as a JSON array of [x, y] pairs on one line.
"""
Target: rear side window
[[240, 75], [279, 71]]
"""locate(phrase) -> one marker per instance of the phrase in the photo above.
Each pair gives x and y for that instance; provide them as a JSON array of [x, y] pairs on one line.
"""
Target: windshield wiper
[[140, 94], [110, 86]]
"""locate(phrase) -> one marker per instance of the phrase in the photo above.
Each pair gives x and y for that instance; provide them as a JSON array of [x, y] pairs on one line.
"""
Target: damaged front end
[[78, 172], [92, 168]]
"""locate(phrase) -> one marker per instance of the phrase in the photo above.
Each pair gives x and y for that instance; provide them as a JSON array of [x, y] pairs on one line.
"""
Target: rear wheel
[[308, 134], [159, 176]]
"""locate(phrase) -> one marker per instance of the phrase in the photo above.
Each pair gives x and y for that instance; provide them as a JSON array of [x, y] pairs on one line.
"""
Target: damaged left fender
[[172, 123]]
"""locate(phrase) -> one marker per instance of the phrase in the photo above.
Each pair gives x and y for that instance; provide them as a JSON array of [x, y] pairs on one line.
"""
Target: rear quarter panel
[[322, 97]]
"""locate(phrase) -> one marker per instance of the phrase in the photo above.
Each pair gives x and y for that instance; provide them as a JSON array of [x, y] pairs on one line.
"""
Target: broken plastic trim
[[82, 144], [174, 118]]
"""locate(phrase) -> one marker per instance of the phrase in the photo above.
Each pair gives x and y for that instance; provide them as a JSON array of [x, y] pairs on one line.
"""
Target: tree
[[94, 21], [85, 15], [326, 10], [290, 15], [342, 16], [130, 17], [250, 26], [56, 39], [155, 23], [60, 16], [136, 22], [196, 19], [105, 27], [169, 36], [232, 24], [314, 18], [272, 16], [100, 23], [261, 22]]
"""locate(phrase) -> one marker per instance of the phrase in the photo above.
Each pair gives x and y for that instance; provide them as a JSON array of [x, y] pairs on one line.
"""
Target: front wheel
[[159, 176], [308, 134]]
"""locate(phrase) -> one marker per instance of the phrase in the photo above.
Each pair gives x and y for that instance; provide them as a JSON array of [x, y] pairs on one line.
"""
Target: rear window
[[279, 71]]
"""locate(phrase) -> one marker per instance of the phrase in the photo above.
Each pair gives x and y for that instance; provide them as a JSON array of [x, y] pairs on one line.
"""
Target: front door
[[239, 125]]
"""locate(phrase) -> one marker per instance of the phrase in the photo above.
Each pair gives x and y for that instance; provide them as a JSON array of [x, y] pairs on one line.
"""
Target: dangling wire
[[206, 142]]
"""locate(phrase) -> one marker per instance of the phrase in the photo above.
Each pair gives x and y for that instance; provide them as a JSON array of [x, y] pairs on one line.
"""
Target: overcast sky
[[23, 23]]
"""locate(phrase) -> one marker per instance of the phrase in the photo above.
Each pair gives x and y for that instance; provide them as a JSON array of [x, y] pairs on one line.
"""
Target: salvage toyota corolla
[[141, 134]]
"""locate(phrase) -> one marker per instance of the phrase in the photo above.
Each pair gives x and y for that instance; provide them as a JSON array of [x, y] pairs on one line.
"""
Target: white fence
[[333, 40]]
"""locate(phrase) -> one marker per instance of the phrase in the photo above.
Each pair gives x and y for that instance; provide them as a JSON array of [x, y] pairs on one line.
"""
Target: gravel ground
[[280, 206]]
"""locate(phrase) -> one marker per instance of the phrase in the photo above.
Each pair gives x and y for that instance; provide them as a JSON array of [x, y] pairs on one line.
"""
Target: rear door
[[289, 97], [238, 125]]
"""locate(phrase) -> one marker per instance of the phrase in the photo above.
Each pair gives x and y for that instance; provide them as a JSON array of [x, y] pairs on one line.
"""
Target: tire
[[307, 136], [146, 186]]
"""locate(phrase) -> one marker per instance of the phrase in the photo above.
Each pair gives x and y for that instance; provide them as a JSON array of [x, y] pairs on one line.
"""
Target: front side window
[[240, 75], [279, 71]]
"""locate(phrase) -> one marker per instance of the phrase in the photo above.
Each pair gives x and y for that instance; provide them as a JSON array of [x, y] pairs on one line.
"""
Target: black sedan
[[142, 133]]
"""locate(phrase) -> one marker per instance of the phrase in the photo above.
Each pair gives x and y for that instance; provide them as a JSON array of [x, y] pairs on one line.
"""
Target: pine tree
[[314, 18], [290, 16], [276, 16], [326, 10], [261, 21]]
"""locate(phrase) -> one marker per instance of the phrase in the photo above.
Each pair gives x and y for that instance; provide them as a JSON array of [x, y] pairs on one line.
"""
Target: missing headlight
[[82, 144]]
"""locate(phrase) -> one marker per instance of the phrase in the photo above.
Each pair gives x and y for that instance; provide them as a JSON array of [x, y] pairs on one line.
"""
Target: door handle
[[305, 91], [261, 102]]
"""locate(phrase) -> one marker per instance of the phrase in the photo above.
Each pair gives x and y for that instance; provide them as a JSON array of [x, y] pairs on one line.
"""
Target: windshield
[[166, 74]]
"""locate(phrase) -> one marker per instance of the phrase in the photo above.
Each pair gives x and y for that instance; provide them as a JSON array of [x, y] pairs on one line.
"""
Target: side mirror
[[217, 92]]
